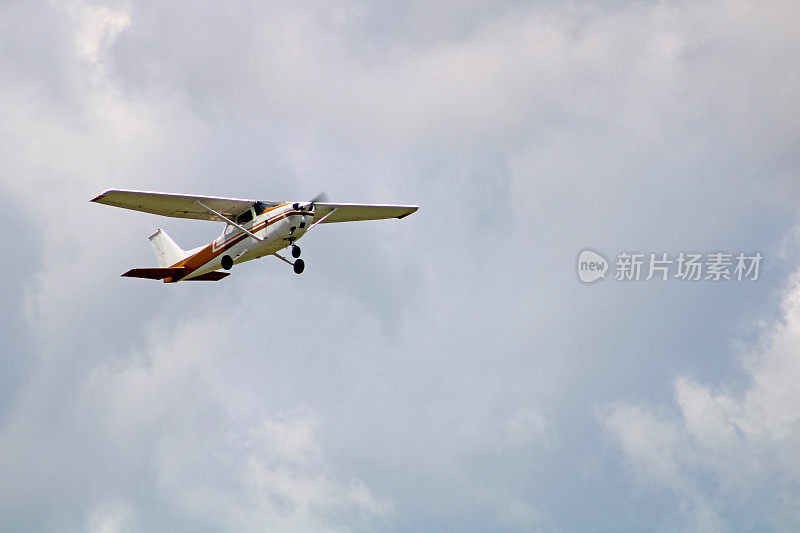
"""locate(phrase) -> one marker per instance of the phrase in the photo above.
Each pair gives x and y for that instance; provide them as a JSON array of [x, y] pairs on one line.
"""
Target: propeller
[[321, 197]]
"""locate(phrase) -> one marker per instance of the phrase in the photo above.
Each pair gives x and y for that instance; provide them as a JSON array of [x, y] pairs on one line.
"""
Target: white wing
[[186, 206], [176, 205], [353, 212]]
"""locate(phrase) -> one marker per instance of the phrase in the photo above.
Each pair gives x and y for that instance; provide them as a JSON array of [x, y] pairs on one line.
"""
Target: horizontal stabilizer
[[210, 276], [155, 273]]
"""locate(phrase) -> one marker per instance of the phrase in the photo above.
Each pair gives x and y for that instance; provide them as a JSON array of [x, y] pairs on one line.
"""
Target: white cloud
[[746, 442], [215, 456], [111, 517], [98, 27]]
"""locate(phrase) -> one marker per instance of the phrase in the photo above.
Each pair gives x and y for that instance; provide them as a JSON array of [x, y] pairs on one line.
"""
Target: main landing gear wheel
[[226, 262], [295, 251], [299, 266]]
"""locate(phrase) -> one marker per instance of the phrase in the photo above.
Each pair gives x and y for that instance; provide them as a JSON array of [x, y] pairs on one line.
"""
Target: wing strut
[[231, 222], [322, 219]]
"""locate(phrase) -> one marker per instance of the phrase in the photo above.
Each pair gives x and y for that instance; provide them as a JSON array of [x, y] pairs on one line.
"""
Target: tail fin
[[167, 252]]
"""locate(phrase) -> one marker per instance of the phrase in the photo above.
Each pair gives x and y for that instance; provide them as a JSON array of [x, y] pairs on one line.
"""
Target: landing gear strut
[[299, 265]]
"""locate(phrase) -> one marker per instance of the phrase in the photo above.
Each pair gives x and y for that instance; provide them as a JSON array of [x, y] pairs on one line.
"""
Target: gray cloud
[[730, 456], [442, 372]]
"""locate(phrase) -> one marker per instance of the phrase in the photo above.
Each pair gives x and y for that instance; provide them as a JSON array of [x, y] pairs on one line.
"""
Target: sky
[[445, 372]]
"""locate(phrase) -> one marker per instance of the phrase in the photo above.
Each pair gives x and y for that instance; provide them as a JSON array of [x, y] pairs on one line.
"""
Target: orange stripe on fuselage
[[208, 253]]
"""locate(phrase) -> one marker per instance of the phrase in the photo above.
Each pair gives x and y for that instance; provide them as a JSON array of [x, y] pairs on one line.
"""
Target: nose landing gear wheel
[[295, 251], [299, 266]]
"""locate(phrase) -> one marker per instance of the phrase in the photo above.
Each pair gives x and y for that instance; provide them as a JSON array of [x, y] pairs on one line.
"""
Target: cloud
[[135, 419], [728, 453], [432, 373], [99, 27]]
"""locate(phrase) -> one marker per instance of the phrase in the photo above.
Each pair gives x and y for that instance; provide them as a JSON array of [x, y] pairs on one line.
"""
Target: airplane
[[253, 229]]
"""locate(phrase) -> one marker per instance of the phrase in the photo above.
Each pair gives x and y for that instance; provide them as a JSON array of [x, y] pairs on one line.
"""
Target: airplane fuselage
[[278, 226]]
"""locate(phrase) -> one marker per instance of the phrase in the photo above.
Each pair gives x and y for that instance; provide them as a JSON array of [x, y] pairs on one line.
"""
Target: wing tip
[[99, 197], [105, 193], [410, 212]]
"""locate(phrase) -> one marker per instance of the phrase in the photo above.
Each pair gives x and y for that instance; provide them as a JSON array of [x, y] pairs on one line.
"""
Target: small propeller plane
[[253, 229]]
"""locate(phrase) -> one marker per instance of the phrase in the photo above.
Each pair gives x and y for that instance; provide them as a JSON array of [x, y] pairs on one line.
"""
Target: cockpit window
[[247, 216], [260, 207]]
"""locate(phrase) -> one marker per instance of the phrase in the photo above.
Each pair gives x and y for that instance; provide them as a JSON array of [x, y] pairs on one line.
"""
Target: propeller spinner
[[309, 206]]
